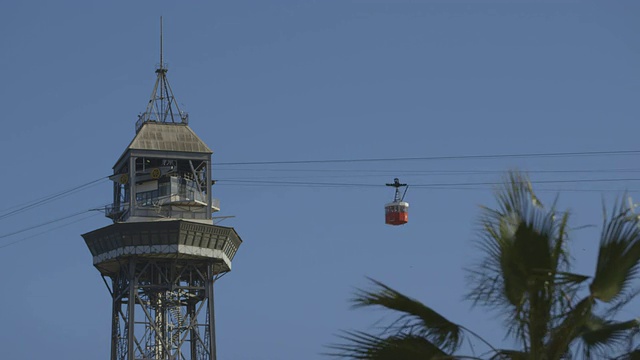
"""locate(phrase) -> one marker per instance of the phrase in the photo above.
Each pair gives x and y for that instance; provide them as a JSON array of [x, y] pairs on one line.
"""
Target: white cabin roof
[[395, 203]]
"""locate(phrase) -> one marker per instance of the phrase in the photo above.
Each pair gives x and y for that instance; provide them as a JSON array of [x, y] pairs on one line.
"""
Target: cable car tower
[[397, 212], [162, 255]]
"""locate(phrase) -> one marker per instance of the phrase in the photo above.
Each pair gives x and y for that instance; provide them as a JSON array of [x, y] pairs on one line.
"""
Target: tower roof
[[168, 137], [173, 137]]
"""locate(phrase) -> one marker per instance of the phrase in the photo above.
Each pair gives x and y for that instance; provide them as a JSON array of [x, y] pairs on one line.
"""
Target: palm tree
[[524, 274]]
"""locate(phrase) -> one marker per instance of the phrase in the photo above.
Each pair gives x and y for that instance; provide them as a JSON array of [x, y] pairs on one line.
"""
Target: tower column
[[211, 312], [131, 316], [208, 185], [193, 336], [115, 323], [132, 185]]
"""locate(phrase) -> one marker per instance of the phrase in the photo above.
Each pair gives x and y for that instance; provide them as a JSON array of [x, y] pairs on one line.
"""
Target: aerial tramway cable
[[262, 181], [445, 157], [47, 199]]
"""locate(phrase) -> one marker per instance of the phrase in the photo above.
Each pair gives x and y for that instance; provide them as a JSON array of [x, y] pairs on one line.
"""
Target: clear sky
[[307, 80]]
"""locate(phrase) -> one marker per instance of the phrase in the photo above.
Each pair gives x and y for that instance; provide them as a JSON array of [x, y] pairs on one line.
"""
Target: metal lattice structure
[[156, 321], [160, 276], [162, 255], [162, 107]]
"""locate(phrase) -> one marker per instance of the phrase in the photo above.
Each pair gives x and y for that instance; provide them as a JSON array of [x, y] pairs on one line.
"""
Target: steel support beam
[[163, 309], [211, 312], [131, 306]]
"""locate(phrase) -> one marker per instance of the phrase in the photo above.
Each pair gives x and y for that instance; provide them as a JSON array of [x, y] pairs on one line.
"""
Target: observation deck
[[162, 240]]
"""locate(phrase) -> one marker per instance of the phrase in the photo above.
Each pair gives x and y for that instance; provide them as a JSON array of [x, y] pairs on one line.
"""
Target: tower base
[[163, 309]]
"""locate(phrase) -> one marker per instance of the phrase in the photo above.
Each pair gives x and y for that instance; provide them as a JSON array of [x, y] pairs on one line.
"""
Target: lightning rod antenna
[[161, 63], [162, 106]]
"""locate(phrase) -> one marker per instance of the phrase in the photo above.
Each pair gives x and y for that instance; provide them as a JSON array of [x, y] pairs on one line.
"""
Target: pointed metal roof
[[172, 137], [168, 137]]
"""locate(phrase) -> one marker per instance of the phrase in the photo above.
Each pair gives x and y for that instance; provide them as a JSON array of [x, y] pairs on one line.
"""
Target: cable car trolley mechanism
[[397, 212]]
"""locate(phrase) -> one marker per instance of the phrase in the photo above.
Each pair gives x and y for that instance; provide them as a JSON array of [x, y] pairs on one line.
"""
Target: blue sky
[[307, 80]]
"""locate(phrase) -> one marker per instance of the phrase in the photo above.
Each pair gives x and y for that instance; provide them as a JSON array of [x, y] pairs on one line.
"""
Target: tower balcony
[[173, 207], [162, 240], [171, 197]]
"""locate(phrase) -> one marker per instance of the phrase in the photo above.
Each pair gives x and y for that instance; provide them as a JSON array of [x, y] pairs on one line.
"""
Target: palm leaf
[[419, 319], [618, 256], [510, 355], [525, 258], [632, 355], [600, 336], [362, 345], [569, 329], [621, 302], [567, 278]]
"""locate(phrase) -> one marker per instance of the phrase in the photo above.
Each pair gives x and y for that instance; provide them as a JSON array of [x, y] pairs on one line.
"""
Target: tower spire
[[161, 43], [162, 106]]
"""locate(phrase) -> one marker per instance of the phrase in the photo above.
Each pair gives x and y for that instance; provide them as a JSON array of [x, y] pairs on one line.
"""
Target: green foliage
[[618, 256], [418, 319], [396, 347], [525, 274]]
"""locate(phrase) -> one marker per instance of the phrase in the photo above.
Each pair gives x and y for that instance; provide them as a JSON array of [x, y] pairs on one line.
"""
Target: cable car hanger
[[396, 184]]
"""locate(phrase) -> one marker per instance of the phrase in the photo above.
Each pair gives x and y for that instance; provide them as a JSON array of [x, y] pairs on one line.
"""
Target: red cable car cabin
[[396, 213]]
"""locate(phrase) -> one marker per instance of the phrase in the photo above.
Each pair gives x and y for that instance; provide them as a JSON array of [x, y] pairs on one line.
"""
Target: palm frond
[[510, 355], [621, 302], [569, 329], [525, 252], [567, 278], [361, 345], [632, 355], [599, 336], [618, 256], [421, 319]]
